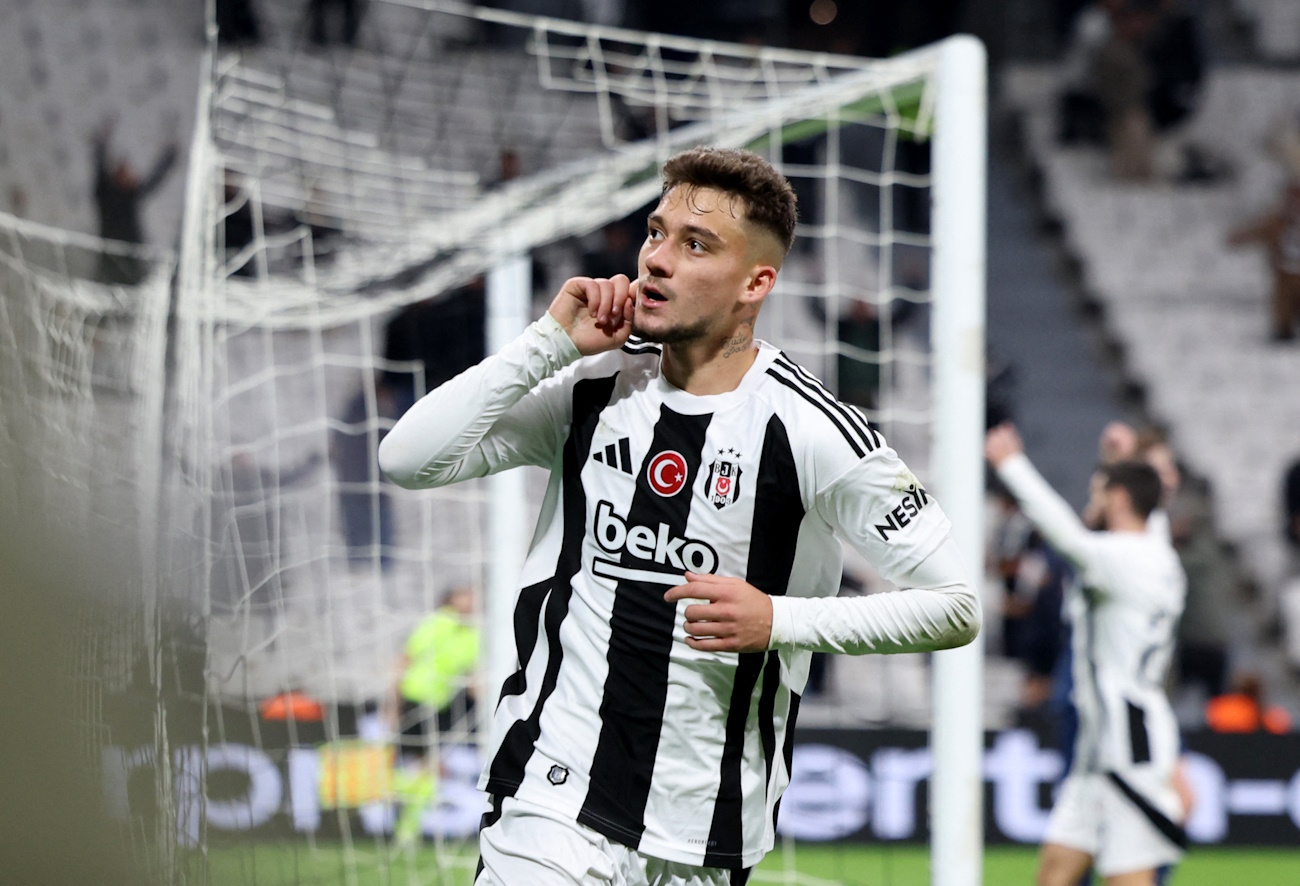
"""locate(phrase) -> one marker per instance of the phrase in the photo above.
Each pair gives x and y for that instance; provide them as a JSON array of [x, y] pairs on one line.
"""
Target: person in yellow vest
[[435, 698], [436, 665]]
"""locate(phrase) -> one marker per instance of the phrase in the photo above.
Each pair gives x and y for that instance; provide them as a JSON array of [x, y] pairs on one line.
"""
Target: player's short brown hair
[[1139, 480], [768, 199]]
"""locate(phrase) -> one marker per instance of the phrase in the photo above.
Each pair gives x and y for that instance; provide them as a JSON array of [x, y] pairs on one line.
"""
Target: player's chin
[[642, 330], [664, 333]]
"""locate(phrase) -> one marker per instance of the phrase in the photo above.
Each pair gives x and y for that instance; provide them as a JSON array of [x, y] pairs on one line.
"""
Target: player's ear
[[761, 280]]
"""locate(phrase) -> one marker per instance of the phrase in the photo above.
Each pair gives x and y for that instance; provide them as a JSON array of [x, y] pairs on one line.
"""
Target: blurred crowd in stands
[[1133, 74]]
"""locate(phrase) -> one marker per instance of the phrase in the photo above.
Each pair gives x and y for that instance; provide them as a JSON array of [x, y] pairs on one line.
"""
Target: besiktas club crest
[[723, 485]]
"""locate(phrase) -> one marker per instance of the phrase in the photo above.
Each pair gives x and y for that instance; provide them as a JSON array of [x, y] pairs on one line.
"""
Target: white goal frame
[[959, 187]]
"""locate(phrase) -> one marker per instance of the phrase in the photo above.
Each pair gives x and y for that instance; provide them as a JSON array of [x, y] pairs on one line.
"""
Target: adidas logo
[[617, 455]]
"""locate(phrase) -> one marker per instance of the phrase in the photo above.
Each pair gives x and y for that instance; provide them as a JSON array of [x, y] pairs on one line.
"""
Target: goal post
[[959, 160]]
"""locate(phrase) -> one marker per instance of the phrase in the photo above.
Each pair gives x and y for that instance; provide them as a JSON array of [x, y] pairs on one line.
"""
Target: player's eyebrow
[[696, 231]]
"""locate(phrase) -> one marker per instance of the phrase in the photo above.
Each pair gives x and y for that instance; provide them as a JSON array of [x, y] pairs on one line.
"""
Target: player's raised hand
[[1002, 442], [596, 312], [736, 617]]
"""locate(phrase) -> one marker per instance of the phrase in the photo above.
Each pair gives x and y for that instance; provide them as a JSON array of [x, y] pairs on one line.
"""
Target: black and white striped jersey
[[611, 718], [1123, 609]]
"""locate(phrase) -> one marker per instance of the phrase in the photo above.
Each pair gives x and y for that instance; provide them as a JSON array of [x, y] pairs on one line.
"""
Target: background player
[[685, 560], [1118, 807]]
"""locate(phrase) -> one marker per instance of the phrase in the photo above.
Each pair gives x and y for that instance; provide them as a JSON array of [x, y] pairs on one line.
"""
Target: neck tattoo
[[736, 344]]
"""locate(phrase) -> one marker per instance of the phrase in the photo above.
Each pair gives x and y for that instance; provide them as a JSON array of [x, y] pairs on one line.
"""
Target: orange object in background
[[297, 705], [1242, 710]]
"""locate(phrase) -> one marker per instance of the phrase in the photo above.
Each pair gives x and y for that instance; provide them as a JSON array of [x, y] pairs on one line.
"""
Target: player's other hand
[[596, 313], [735, 617], [1002, 442]]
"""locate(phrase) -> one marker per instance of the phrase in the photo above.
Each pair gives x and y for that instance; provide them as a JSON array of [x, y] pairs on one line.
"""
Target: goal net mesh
[[344, 205]]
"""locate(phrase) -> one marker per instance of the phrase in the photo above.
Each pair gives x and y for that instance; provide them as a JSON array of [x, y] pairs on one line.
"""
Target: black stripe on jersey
[[800, 390], [491, 817], [787, 752], [767, 712], [1090, 654], [528, 617], [1163, 823], [726, 838], [590, 397], [850, 413], [778, 511], [1139, 743], [641, 638]]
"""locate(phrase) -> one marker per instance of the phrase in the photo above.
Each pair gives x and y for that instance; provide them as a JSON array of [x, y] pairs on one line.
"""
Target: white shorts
[[531, 845], [1123, 830]]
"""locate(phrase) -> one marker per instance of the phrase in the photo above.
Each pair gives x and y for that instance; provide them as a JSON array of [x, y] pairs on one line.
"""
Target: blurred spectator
[[1245, 710], [510, 166], [433, 691], [363, 504], [1118, 442], [618, 252], [1204, 633], [1032, 617], [433, 698], [1291, 505], [1132, 73], [858, 365], [1279, 232], [18, 201], [119, 191], [858, 329], [333, 21], [446, 334], [1033, 581], [237, 23], [237, 226], [247, 519], [1289, 595], [999, 391], [1204, 630]]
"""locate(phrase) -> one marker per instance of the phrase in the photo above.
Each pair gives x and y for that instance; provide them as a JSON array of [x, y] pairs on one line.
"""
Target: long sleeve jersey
[[1123, 609], [611, 717]]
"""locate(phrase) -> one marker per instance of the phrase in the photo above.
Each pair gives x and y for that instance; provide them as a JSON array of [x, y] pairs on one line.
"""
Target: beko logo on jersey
[[655, 545], [914, 499]]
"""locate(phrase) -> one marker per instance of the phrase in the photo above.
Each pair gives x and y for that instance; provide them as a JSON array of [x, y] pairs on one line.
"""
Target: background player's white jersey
[[1123, 608], [612, 718]]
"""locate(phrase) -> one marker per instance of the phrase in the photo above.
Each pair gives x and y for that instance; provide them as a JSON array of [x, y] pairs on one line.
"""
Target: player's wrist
[[782, 623], [554, 340]]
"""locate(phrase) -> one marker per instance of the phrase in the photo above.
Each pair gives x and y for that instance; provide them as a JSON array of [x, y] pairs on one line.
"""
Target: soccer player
[[1118, 808], [686, 559]]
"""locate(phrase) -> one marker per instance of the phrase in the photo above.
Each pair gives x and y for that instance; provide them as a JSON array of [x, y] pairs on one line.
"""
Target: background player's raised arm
[[1041, 504]]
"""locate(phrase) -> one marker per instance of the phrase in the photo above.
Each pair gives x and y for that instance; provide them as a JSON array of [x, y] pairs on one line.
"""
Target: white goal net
[[362, 222]]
